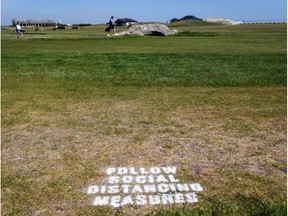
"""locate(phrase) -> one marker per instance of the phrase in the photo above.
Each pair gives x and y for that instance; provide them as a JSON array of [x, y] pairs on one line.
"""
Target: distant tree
[[85, 24], [61, 27]]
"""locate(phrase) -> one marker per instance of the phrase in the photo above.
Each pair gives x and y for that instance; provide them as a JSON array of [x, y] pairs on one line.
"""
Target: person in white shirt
[[19, 31]]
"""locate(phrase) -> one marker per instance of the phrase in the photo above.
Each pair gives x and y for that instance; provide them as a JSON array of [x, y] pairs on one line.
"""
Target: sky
[[99, 11]]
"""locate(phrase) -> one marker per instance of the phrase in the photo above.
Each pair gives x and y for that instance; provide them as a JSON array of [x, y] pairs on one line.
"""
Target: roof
[[126, 20], [28, 21]]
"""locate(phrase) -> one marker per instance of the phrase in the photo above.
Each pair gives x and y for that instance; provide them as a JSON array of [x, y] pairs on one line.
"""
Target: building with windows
[[34, 23]]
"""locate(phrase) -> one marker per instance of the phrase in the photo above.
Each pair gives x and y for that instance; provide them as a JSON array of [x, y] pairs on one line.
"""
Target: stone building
[[34, 23]]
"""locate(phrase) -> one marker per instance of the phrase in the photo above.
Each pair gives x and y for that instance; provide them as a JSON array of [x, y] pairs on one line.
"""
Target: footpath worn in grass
[[214, 106]]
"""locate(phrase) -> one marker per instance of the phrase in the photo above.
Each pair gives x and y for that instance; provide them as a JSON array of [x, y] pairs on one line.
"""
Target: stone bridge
[[146, 29]]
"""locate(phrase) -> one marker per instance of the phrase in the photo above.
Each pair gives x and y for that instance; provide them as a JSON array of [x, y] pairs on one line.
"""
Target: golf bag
[[107, 29]]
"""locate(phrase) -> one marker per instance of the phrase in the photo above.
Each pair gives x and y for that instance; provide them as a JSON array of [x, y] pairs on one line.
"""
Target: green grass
[[134, 69], [210, 100]]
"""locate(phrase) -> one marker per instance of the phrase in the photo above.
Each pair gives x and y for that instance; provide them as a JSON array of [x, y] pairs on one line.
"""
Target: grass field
[[210, 100]]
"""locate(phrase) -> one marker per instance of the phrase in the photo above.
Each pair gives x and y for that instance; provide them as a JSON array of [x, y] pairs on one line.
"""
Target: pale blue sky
[[95, 11]]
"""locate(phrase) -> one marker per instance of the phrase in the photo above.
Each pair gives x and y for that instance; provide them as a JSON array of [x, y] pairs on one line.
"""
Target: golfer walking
[[111, 26], [19, 31]]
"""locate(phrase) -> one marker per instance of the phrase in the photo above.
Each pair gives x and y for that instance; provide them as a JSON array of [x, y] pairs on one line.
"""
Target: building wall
[[32, 23]]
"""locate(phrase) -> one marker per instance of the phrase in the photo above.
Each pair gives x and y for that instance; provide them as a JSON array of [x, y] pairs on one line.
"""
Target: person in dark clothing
[[111, 26]]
